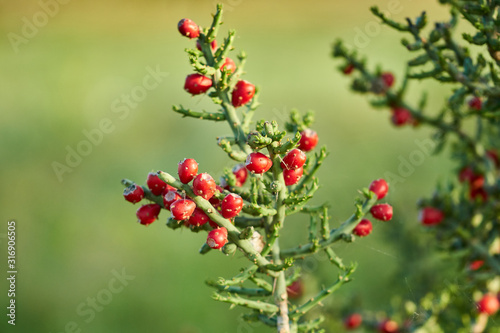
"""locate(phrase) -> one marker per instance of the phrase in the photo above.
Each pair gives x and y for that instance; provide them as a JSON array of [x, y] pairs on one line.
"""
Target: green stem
[[301, 310], [257, 305], [335, 234]]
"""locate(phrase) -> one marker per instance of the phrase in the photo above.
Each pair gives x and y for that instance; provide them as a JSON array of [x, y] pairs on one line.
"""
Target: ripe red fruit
[[228, 65], [198, 218], [295, 289], [382, 212], [353, 321], [388, 79], [217, 238], [213, 45], [476, 264], [478, 193], [241, 174], [476, 182], [169, 198], [188, 28], [231, 205], [258, 163], [364, 228], [348, 69], [476, 103], [294, 159], [182, 209], [308, 140], [489, 304], [242, 94], [388, 326], [147, 214], [379, 187], [430, 216], [133, 193], [214, 201], [292, 177], [168, 189], [401, 116], [187, 170], [466, 174], [155, 184], [204, 186], [197, 84]]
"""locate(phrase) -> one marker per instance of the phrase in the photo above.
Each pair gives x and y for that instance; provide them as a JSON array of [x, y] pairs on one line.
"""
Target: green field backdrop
[[75, 232]]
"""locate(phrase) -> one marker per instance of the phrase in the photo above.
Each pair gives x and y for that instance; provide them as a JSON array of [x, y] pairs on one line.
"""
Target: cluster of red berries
[[181, 207], [197, 84], [476, 179], [355, 320], [382, 212]]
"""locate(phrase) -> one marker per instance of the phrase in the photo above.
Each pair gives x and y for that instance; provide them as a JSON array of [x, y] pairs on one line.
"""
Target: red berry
[[182, 209], [388, 79], [478, 192], [213, 224], [379, 187], [147, 214], [198, 218], [382, 212], [197, 84], [213, 45], [133, 193], [430, 216], [295, 289], [292, 177], [493, 155], [155, 184], [466, 174], [231, 205], [169, 198], [294, 159], [353, 321], [217, 238], [364, 228], [258, 163], [187, 170], [228, 65], [476, 182], [188, 28], [476, 103], [348, 69], [168, 189], [213, 200], [401, 116], [489, 304], [241, 174], [476, 264], [242, 94], [388, 326], [308, 140], [204, 186]]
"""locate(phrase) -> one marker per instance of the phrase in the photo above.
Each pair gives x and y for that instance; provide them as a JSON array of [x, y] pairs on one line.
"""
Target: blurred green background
[[75, 233]]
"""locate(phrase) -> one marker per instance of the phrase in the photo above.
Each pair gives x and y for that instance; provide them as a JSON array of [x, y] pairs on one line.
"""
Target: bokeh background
[[75, 232]]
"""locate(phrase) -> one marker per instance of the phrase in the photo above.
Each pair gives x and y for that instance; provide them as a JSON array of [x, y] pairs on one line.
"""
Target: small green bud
[[257, 140], [229, 248]]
